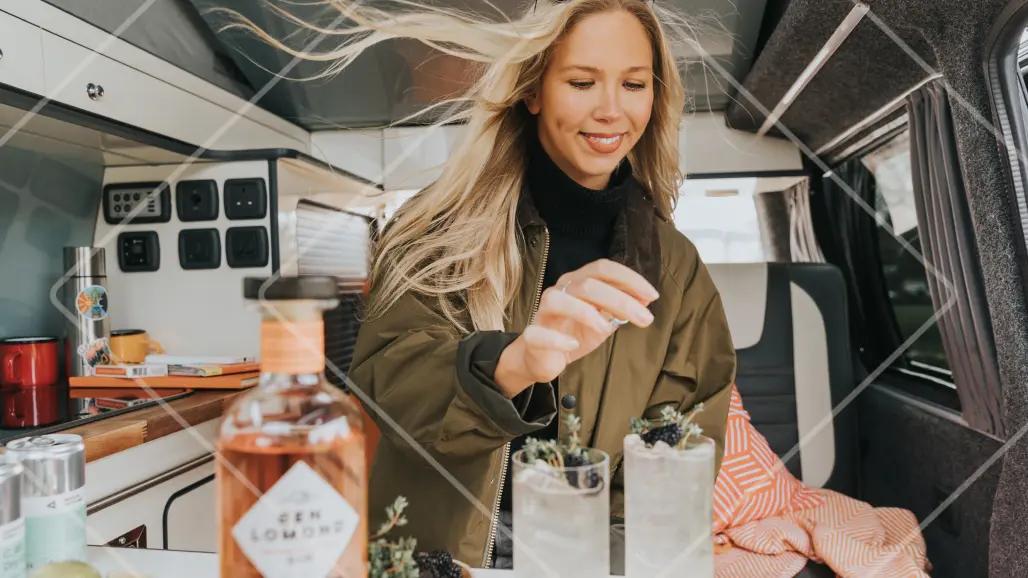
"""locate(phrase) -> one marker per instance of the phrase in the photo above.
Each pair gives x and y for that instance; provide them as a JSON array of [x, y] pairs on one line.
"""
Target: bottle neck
[[292, 347]]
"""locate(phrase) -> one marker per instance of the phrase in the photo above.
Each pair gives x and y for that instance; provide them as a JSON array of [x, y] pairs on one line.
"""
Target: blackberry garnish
[[437, 564], [670, 434], [673, 428], [592, 477]]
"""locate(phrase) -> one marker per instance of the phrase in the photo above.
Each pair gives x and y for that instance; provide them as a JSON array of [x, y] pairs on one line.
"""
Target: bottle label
[[12, 549], [55, 528], [300, 527]]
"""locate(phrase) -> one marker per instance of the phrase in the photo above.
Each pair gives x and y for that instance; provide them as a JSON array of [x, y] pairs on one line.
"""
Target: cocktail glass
[[562, 518], [669, 509]]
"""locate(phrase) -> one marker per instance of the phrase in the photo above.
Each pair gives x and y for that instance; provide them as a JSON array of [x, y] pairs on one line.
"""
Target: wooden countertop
[[114, 434]]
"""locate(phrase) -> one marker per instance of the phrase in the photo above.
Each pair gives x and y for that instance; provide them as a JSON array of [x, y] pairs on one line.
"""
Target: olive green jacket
[[446, 427]]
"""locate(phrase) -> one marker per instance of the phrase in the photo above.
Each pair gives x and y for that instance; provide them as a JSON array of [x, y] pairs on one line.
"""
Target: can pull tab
[[41, 441]]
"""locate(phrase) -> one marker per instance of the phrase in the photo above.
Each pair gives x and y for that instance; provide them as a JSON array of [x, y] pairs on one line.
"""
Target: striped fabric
[[767, 524], [753, 483]]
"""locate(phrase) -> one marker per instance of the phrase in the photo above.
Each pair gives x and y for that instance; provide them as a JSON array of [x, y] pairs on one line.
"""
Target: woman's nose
[[609, 107]]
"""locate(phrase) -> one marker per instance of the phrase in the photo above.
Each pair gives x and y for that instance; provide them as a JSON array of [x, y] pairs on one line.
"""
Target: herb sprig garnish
[[673, 428], [559, 455]]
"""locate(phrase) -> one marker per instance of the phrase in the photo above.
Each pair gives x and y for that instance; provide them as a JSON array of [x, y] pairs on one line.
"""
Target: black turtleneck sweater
[[580, 222]]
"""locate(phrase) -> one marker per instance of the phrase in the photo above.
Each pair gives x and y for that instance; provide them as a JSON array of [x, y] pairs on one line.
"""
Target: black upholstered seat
[[790, 327]]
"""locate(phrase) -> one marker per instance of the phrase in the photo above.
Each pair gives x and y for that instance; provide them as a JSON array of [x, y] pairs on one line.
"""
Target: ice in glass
[[669, 500]]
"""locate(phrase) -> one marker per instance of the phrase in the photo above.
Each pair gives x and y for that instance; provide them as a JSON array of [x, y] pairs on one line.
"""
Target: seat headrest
[[743, 289]]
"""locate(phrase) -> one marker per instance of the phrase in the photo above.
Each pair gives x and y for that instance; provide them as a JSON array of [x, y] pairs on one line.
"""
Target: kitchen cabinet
[[182, 499], [90, 81], [21, 54]]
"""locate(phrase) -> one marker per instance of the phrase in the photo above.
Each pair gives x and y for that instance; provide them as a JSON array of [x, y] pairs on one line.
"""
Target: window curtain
[[948, 244], [848, 238], [773, 217], [802, 240]]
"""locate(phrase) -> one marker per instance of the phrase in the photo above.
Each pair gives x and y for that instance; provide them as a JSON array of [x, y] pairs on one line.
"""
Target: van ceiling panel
[[867, 72], [397, 79], [389, 82]]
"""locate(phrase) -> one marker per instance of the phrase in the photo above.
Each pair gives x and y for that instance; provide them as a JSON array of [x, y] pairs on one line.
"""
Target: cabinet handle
[[135, 538], [1, 54], [94, 91]]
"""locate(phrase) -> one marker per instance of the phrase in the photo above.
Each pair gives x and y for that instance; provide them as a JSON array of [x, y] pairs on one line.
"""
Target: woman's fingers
[[611, 300], [618, 276], [539, 337], [557, 303]]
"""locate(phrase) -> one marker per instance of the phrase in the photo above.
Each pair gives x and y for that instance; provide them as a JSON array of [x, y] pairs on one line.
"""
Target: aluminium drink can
[[12, 523], [53, 497]]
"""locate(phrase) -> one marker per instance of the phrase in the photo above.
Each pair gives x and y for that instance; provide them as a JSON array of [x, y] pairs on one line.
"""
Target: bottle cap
[[85, 261], [289, 288]]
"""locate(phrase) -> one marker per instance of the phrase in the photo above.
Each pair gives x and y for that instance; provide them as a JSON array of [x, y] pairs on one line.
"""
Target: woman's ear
[[532, 103]]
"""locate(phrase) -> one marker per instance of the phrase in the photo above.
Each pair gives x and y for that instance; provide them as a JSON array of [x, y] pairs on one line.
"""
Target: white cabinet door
[[21, 54], [87, 80], [192, 525], [122, 519]]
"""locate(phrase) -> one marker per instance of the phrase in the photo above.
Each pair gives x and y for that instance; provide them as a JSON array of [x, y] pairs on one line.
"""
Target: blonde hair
[[457, 241]]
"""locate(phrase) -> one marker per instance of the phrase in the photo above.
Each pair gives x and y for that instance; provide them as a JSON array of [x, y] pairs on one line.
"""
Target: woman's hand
[[575, 316]]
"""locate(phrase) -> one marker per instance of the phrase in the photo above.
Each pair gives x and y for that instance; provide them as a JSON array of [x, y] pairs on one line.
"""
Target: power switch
[[246, 247], [139, 251], [245, 199], [199, 249]]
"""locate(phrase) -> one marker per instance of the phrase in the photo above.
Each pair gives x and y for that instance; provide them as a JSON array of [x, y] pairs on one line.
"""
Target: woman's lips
[[603, 143]]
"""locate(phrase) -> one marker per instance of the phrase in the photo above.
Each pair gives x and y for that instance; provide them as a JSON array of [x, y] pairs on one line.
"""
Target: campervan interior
[[856, 182]]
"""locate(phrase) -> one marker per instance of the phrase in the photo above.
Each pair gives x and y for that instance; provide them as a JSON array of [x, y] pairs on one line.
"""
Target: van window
[[905, 276], [720, 217]]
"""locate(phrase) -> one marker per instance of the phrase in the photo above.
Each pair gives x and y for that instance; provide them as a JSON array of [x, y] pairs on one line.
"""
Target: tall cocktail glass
[[561, 518], [669, 509]]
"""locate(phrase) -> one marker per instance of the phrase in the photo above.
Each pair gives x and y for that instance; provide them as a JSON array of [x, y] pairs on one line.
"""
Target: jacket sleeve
[[425, 383], [700, 364]]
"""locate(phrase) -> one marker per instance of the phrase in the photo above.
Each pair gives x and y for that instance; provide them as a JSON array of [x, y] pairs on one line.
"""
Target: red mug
[[30, 407], [27, 362]]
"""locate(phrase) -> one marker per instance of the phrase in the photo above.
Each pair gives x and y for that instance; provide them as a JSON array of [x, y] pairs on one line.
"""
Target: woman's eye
[[634, 85], [581, 84]]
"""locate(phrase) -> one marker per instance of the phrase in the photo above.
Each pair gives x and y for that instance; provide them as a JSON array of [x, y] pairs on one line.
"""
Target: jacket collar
[[635, 242]]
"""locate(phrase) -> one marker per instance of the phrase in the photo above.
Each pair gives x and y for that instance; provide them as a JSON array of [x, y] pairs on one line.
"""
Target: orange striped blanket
[[767, 524]]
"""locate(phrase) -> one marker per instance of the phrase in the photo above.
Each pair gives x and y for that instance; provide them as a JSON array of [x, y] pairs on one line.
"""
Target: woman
[[540, 275]]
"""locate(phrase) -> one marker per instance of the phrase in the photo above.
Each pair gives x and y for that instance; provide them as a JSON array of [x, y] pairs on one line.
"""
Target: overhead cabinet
[[87, 80], [21, 54], [34, 59]]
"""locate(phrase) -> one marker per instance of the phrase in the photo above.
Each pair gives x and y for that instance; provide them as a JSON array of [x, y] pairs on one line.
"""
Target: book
[[197, 359], [212, 369], [234, 381], [130, 371]]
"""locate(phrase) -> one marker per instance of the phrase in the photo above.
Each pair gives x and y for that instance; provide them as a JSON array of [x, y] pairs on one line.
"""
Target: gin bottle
[[291, 479]]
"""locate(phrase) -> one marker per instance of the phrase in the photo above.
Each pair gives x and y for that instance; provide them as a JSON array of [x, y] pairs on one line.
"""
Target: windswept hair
[[457, 242]]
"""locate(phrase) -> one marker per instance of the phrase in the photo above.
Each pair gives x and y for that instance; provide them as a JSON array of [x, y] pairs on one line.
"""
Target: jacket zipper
[[487, 563]]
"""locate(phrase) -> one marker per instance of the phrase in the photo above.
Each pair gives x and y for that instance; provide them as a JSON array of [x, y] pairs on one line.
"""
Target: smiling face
[[596, 96]]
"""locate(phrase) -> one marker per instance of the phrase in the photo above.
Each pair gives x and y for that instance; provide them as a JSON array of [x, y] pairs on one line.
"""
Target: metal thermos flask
[[84, 296]]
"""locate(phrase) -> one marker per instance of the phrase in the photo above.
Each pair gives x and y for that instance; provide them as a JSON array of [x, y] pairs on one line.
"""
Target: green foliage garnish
[[392, 559], [570, 455], [553, 452]]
